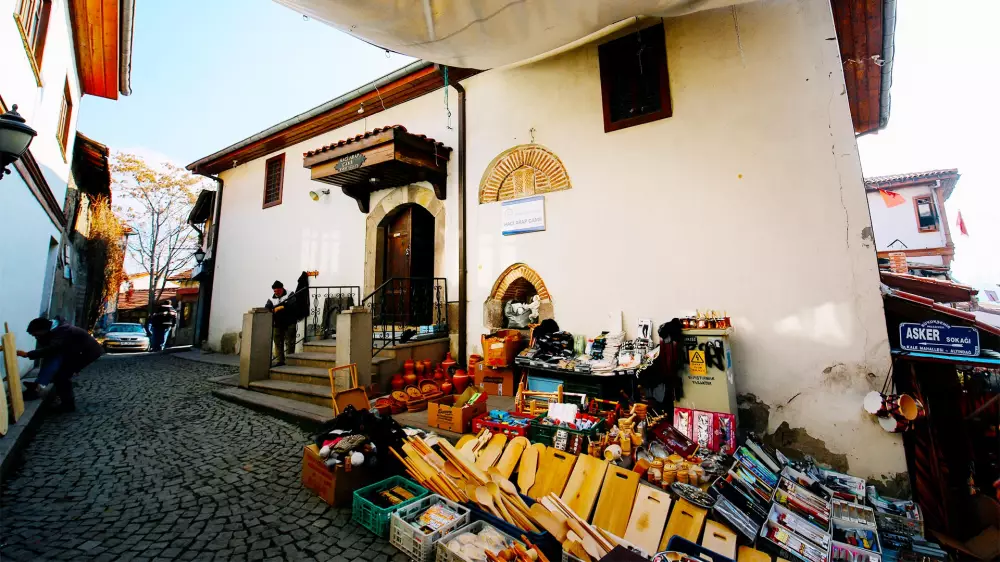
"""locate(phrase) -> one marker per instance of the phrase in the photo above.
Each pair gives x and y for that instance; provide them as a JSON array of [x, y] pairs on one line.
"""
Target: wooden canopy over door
[[380, 159]]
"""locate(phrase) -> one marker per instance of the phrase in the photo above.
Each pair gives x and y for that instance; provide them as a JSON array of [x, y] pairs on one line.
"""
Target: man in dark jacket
[[283, 327], [65, 351], [161, 322]]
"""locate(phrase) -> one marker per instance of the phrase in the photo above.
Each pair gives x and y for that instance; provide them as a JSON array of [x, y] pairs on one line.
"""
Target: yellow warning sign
[[696, 359]]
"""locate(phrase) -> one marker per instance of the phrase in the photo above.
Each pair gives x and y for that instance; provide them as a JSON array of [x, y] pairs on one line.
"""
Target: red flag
[[891, 198], [961, 225]]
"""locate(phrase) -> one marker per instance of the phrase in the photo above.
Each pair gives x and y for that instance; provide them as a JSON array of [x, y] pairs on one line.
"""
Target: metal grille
[[273, 176]]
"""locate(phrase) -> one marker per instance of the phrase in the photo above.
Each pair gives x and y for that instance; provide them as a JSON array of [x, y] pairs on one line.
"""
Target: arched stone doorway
[[416, 201]]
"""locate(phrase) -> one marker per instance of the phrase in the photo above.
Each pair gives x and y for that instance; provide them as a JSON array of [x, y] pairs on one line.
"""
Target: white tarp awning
[[484, 34]]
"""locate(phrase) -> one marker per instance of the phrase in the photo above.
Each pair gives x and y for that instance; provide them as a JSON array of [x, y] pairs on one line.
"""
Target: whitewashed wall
[[900, 223], [25, 229], [749, 199]]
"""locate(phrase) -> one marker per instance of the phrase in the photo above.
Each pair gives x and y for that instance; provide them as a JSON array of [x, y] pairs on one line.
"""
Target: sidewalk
[[20, 433], [214, 359]]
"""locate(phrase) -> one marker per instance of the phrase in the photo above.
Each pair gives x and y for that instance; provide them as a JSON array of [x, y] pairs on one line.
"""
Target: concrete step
[[285, 408], [300, 391], [312, 359], [319, 376], [321, 346]]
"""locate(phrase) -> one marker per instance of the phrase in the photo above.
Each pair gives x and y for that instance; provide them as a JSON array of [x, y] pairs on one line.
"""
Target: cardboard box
[[500, 348], [442, 413], [334, 487], [496, 382]]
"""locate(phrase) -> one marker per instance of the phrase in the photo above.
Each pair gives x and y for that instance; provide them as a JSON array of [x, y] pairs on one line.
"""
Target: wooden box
[[501, 347], [442, 413], [335, 487], [496, 382]]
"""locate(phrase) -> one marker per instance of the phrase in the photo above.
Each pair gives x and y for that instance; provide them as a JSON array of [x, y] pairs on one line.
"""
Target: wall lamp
[[315, 195], [15, 136]]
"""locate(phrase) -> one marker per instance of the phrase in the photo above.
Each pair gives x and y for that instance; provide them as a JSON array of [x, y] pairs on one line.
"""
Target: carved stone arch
[[408, 194], [526, 169], [517, 282]]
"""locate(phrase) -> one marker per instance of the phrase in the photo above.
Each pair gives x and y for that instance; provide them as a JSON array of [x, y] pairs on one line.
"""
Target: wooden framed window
[[927, 215], [32, 19], [274, 179], [635, 88], [65, 114]]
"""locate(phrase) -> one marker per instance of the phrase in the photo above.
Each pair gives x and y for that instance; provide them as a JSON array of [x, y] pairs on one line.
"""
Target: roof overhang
[[202, 210], [102, 38], [945, 179], [935, 289], [380, 159], [91, 170], [866, 33]]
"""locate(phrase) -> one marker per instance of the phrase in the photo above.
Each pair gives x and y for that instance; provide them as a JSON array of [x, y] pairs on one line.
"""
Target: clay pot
[[449, 364], [419, 369], [397, 382], [473, 361], [409, 378], [428, 367], [460, 380], [439, 375], [447, 387]]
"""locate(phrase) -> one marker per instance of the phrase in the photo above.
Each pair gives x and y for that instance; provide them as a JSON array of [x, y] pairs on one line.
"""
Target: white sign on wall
[[523, 215]]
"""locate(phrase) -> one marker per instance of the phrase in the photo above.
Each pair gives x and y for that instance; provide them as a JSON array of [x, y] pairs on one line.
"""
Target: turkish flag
[[961, 225], [891, 198]]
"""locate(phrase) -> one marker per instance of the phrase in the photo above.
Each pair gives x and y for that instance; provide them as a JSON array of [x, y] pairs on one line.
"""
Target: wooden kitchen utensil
[[544, 518], [649, 515], [463, 440], [747, 554], [685, 521], [553, 472], [527, 468], [719, 539], [508, 460], [615, 503], [584, 484], [492, 452], [9, 344]]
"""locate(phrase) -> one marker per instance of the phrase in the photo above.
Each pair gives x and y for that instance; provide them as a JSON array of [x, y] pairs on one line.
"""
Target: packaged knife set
[[803, 503], [855, 534]]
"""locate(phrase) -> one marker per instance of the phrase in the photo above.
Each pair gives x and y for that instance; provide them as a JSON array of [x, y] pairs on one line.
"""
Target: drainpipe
[[463, 270], [205, 295]]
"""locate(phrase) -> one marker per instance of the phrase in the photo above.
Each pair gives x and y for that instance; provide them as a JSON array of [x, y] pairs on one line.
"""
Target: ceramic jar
[[460, 380], [397, 382], [449, 364], [447, 387]]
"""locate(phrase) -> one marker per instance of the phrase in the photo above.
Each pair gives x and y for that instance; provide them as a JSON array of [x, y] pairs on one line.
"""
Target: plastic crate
[[543, 540], [544, 434], [482, 420], [415, 543], [543, 384], [445, 554], [374, 518], [567, 557]]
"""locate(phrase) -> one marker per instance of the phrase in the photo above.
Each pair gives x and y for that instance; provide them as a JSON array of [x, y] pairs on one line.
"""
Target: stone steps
[[310, 375], [312, 359], [285, 408], [300, 391]]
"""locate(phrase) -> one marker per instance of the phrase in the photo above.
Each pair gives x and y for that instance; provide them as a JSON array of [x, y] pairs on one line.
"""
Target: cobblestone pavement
[[152, 466]]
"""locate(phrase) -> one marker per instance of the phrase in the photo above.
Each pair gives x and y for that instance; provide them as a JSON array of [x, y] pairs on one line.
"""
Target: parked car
[[126, 337]]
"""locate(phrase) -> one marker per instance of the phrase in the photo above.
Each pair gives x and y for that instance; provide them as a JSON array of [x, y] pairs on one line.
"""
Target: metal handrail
[[320, 314], [417, 308]]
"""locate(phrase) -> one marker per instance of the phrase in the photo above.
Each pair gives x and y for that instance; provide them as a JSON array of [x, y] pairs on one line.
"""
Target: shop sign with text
[[523, 215], [935, 336]]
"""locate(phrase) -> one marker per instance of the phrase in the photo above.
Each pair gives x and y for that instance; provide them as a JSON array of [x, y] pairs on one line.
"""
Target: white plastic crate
[[445, 554], [567, 557], [412, 541]]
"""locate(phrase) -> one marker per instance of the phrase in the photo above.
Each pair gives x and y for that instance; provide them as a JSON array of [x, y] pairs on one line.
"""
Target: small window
[[634, 84], [927, 217], [33, 17], [274, 174], [65, 114]]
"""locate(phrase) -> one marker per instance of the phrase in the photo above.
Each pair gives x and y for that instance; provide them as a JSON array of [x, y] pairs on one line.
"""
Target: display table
[[607, 386]]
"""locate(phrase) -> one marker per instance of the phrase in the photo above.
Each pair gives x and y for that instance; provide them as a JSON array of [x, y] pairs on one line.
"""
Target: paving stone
[[161, 474]]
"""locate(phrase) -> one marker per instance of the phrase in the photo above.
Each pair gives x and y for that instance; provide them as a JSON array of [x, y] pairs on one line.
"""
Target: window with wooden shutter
[[33, 22], [927, 216], [634, 83], [274, 175], [65, 114]]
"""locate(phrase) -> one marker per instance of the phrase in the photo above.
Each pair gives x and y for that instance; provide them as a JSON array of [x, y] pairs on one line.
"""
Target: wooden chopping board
[[584, 484], [615, 503], [527, 468], [508, 460], [491, 452], [554, 469], [686, 521], [9, 343], [719, 539], [649, 516], [748, 554]]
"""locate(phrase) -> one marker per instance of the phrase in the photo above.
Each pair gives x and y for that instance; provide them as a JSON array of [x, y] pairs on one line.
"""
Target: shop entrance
[[406, 256]]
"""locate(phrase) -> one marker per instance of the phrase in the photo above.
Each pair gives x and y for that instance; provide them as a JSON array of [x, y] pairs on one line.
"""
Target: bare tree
[[154, 201]]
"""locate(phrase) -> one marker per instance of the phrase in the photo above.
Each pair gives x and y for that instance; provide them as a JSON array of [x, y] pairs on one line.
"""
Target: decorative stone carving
[[518, 283], [526, 169]]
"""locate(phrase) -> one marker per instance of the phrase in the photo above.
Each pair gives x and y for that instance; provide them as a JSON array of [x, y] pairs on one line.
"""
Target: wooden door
[[398, 261]]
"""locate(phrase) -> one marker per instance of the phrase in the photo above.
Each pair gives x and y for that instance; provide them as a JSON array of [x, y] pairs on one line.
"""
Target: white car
[[126, 337]]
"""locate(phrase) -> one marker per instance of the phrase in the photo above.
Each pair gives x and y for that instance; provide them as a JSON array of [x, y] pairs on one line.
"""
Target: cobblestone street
[[152, 466]]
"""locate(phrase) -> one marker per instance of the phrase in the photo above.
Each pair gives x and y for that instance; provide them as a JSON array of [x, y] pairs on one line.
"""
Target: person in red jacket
[[65, 351]]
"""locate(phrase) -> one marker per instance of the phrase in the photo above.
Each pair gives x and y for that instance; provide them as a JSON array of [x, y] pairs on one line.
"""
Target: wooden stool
[[719, 539], [685, 521]]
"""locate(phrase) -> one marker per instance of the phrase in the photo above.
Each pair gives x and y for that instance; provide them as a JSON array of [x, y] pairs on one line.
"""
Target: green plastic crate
[[377, 519]]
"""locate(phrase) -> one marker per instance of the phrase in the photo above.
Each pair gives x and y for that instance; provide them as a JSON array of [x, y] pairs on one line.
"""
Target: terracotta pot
[[408, 366], [428, 367], [473, 361], [439, 375], [447, 387], [409, 379], [418, 368], [460, 380], [397, 382], [449, 364]]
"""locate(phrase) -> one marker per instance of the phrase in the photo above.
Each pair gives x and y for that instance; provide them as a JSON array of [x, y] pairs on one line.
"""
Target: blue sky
[[207, 73]]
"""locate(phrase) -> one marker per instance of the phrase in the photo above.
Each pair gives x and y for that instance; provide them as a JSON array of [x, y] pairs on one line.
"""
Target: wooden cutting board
[[615, 503], [719, 539], [748, 554], [584, 484], [526, 469], [685, 521], [649, 515], [9, 343], [491, 452], [508, 460], [463, 440], [553, 471]]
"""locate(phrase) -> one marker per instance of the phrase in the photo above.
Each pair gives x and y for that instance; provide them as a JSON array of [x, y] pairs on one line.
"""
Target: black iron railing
[[325, 303], [408, 309]]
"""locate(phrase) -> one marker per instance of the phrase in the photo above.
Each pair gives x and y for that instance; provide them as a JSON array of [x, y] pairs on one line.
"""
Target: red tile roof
[[937, 289], [181, 275], [372, 132], [882, 181], [139, 298]]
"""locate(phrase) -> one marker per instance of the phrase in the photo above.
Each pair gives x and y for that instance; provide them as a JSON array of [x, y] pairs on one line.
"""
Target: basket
[[544, 434], [374, 518], [482, 420], [411, 540], [445, 554]]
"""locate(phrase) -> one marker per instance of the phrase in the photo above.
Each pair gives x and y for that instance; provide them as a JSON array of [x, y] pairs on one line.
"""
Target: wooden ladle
[[508, 487], [494, 491], [486, 500]]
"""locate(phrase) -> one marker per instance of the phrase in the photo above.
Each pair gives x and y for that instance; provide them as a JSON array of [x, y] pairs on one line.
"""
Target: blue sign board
[[935, 336]]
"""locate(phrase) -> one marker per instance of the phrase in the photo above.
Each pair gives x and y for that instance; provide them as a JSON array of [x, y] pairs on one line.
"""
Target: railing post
[[255, 346], [354, 342]]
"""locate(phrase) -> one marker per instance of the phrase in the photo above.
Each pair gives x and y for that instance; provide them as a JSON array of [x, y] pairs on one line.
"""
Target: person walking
[[65, 351], [161, 323]]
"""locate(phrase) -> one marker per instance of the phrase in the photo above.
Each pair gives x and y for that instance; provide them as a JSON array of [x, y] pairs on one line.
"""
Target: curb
[[21, 433]]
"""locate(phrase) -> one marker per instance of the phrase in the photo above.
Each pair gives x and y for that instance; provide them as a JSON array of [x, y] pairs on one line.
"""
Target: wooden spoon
[[494, 491], [526, 470], [544, 518], [486, 500], [508, 487]]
